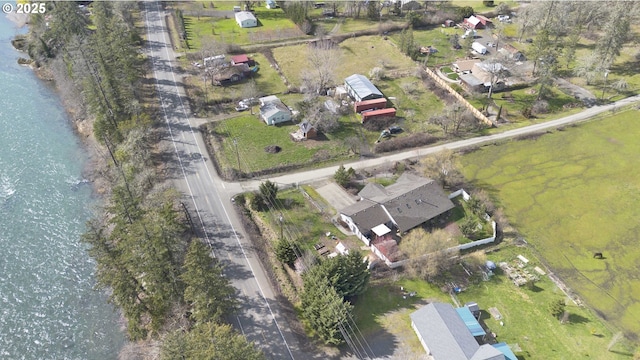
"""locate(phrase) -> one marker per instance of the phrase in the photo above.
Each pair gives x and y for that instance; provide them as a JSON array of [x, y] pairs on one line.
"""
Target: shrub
[[540, 107], [286, 252], [414, 140], [378, 123]]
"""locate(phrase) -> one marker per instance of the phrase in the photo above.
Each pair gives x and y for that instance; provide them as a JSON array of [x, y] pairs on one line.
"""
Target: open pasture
[[573, 193]]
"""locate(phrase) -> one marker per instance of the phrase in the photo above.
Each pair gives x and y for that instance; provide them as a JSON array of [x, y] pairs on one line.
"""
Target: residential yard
[[266, 80], [526, 319], [252, 136], [272, 26], [572, 193], [358, 56], [515, 101], [439, 39]]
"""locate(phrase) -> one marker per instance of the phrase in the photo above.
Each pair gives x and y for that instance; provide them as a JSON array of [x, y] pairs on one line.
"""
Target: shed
[[361, 106], [474, 308], [271, 4], [307, 130], [366, 116], [449, 23], [240, 59], [246, 19], [360, 88]]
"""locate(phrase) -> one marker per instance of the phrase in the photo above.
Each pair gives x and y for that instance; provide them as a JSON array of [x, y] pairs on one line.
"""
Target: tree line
[[165, 282]]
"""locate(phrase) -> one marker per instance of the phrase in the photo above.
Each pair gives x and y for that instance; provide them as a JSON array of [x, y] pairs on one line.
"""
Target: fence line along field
[[571, 194]]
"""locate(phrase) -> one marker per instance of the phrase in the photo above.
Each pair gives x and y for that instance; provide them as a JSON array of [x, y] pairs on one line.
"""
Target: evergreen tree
[[324, 308], [208, 341], [269, 191], [209, 293], [286, 252]]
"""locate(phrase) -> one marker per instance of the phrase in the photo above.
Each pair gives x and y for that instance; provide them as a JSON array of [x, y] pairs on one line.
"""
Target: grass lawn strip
[[573, 193]]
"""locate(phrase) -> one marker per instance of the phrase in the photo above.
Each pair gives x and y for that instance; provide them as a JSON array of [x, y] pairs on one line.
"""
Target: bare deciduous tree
[[429, 254], [441, 167], [323, 58]]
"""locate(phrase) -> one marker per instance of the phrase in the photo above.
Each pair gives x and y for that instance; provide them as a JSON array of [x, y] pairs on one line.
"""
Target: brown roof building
[[408, 203]]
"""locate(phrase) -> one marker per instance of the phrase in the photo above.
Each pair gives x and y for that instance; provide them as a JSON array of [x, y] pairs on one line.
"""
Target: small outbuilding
[[246, 19], [240, 59], [374, 104], [368, 115]]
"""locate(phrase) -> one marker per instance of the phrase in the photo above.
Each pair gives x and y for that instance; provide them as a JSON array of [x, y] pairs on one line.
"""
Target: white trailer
[[479, 48]]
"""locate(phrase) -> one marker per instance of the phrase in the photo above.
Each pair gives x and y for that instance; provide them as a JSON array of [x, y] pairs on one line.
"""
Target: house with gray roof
[[409, 202], [273, 111], [246, 19], [445, 336], [360, 88]]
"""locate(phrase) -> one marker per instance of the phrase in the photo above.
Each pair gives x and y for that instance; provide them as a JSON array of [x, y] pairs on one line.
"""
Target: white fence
[[465, 197]]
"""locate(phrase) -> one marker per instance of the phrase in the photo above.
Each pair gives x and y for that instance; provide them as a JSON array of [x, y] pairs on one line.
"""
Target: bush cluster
[[415, 140]]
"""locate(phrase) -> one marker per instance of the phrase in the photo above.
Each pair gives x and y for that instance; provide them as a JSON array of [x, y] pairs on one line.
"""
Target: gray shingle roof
[[446, 335], [410, 201]]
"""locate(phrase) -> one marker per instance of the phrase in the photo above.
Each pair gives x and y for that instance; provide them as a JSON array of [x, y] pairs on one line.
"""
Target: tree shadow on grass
[[578, 319]]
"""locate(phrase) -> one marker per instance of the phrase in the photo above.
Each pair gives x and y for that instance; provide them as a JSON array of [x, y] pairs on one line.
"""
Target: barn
[[360, 88], [246, 19]]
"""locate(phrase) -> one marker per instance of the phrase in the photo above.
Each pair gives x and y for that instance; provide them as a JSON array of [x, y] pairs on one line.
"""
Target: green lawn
[[514, 101], [438, 38], [358, 56], [303, 222], [253, 135], [272, 26], [527, 322], [572, 193]]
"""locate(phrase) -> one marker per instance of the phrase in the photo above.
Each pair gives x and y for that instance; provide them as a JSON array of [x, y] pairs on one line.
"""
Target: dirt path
[[576, 91]]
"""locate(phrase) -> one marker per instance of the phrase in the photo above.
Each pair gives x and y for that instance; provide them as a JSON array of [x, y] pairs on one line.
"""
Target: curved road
[[317, 174], [259, 318]]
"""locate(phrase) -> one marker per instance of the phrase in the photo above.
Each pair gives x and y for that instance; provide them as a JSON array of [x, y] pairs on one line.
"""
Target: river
[[48, 308]]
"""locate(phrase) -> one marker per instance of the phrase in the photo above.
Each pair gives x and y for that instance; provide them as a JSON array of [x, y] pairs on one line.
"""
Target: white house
[[273, 111], [246, 19]]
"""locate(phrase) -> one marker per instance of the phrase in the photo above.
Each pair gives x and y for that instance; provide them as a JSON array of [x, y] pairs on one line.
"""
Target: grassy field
[[527, 322], [272, 26], [438, 38], [513, 102], [358, 56], [573, 193]]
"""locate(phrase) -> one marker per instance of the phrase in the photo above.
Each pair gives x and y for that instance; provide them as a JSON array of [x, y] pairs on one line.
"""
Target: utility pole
[[235, 143], [281, 222]]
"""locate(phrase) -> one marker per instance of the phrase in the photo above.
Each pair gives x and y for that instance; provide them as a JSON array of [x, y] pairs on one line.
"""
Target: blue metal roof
[[506, 350], [470, 321]]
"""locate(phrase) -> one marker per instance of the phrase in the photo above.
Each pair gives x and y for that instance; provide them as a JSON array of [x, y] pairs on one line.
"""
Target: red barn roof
[[240, 59], [381, 112]]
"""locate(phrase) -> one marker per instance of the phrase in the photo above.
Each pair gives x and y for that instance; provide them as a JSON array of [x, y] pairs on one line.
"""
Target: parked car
[[395, 129], [241, 108]]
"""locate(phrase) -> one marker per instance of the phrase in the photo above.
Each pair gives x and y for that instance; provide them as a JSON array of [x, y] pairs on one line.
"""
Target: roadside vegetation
[[164, 281]]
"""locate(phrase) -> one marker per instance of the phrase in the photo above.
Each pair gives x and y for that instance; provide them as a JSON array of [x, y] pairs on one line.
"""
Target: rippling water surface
[[48, 308]]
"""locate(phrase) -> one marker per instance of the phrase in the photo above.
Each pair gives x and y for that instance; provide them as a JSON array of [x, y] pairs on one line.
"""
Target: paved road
[[259, 318], [317, 174]]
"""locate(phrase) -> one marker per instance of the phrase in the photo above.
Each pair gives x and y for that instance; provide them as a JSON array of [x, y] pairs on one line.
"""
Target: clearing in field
[[571, 194], [359, 55]]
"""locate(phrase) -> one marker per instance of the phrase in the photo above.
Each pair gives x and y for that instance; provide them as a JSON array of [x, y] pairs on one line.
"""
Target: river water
[[48, 308]]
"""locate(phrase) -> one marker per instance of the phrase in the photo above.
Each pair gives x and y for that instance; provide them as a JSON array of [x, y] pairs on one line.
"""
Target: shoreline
[[82, 128]]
